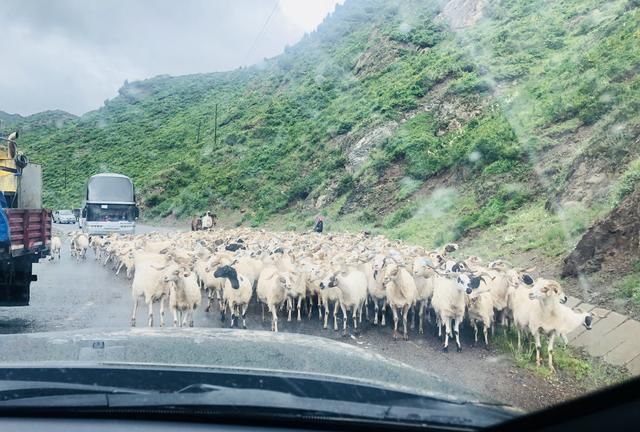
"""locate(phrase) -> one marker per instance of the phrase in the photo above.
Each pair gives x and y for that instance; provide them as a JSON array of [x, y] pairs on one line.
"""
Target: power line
[[264, 26]]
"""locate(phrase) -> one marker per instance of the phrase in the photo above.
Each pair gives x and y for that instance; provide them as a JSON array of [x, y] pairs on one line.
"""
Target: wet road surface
[[79, 295]]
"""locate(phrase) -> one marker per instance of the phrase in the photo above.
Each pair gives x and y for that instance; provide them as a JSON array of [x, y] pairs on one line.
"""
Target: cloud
[[74, 54]]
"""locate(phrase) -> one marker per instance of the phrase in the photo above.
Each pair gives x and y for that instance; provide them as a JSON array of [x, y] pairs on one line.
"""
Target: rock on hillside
[[612, 244]]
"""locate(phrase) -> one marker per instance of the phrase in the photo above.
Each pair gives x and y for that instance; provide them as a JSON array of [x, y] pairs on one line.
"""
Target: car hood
[[226, 348]]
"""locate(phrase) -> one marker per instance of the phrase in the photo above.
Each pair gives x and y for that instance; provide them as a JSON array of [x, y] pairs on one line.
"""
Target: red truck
[[25, 225]]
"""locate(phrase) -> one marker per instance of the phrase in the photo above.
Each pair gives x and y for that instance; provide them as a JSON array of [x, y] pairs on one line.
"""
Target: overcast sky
[[74, 54]]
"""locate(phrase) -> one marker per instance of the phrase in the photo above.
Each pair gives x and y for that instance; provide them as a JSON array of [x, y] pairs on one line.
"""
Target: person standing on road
[[207, 221], [318, 225]]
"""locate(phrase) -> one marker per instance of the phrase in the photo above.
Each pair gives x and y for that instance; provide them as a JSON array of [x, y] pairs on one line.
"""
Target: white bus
[[109, 205]]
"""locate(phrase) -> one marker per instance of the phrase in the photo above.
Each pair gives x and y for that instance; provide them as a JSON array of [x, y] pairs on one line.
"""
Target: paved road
[[71, 295]]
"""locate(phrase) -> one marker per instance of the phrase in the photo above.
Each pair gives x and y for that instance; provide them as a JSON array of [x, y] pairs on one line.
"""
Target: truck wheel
[[15, 281]]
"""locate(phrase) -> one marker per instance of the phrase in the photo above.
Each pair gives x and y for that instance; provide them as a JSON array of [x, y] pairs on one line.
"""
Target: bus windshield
[[110, 212], [110, 189]]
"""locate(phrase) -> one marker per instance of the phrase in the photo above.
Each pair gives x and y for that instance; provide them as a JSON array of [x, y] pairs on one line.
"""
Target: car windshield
[[437, 196]]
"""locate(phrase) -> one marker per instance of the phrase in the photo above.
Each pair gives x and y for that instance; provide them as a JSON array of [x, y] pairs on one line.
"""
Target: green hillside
[[389, 119]]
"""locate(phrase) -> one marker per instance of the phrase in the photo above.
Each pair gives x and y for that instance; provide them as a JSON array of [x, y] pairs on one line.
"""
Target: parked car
[[64, 217]]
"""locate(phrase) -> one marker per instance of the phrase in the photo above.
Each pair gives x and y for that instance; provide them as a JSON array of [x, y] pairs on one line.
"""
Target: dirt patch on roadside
[[611, 245]]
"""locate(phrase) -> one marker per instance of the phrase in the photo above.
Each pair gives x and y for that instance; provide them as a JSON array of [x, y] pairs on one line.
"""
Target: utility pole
[[65, 177], [198, 132], [215, 127]]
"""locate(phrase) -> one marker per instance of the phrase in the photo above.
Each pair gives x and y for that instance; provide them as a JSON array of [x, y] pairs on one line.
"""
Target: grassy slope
[[531, 75]]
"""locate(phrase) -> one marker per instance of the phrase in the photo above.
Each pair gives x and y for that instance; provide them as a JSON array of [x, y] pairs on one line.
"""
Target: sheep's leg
[[538, 346], [474, 325], [162, 311], [360, 311], [376, 311], [366, 308], [299, 308], [456, 331], [209, 300], [550, 351], [421, 318], [321, 304], [310, 306], [220, 301], [355, 317], [394, 310], [335, 315], [135, 309], [185, 317], [150, 306], [274, 317], [190, 313], [405, 316], [326, 316], [413, 317], [232, 310], [345, 318], [289, 308], [244, 315], [119, 267], [439, 323], [485, 332], [175, 316], [223, 309], [383, 313], [447, 330]]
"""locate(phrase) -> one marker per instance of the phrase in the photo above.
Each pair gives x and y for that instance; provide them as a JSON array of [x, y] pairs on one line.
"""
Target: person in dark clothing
[[318, 225]]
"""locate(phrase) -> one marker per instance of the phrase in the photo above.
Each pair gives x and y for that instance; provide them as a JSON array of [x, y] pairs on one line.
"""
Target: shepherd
[[318, 225], [196, 223]]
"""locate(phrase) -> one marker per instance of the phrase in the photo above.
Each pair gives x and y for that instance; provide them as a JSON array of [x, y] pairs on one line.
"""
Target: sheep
[[401, 295], [449, 304], [547, 314], [148, 282], [237, 293], [80, 246], [353, 285], [55, 246], [127, 260], [376, 289], [272, 290], [480, 306], [423, 276], [184, 294]]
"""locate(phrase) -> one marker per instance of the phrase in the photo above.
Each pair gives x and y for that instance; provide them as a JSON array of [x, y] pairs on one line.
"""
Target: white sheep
[[148, 282], [449, 304], [184, 294], [55, 246], [423, 275], [480, 307], [237, 293], [80, 246], [272, 290], [353, 285], [401, 295], [376, 289], [547, 314]]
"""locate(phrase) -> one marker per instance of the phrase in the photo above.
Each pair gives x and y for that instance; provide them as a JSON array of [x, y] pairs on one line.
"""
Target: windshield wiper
[[214, 401]]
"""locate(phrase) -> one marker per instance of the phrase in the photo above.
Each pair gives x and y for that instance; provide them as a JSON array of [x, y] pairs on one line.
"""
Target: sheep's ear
[[544, 289]]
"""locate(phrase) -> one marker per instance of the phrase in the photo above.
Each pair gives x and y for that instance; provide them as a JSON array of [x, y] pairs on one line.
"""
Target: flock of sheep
[[355, 274]]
